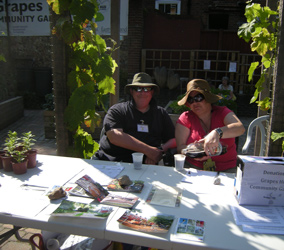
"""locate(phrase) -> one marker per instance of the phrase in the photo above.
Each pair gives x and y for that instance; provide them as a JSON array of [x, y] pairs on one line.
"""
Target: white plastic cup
[[137, 160], [179, 161]]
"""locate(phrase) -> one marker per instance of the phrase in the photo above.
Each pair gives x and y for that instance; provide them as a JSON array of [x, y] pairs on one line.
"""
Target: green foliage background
[[91, 69]]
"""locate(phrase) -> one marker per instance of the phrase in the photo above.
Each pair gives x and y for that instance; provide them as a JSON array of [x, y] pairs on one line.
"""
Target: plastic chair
[[257, 122]]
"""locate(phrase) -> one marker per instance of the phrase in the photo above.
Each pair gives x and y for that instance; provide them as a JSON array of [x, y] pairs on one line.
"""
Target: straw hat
[[142, 80], [202, 87]]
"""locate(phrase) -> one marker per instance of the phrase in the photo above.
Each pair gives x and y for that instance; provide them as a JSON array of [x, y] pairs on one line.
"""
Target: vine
[[91, 69], [262, 30]]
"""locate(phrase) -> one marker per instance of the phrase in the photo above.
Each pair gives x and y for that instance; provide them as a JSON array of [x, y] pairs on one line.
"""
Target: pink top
[[191, 121]]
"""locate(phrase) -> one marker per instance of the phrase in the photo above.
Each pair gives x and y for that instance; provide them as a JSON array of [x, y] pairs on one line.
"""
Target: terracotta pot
[[31, 157], [7, 163], [2, 153], [20, 167]]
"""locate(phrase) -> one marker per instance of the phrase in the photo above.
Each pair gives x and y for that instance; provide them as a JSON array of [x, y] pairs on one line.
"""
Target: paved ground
[[33, 121]]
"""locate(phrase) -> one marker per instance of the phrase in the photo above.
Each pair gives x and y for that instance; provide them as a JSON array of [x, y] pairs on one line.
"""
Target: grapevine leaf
[[58, 6], [82, 10], [252, 68], [82, 99], [107, 85], [70, 33]]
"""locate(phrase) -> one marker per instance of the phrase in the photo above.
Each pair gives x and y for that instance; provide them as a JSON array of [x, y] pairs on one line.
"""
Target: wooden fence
[[205, 64]]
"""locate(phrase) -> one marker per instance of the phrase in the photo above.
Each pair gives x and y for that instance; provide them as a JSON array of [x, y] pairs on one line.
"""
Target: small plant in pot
[[19, 161], [10, 145], [27, 143]]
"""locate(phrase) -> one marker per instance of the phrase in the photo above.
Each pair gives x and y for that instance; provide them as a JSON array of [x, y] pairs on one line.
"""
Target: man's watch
[[160, 147], [220, 132]]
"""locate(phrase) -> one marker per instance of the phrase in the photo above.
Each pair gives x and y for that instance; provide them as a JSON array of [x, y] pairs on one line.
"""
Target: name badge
[[142, 128]]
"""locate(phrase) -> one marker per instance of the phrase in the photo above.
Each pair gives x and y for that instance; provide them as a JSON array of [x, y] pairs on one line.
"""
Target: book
[[78, 209], [135, 187], [146, 222], [189, 229], [94, 188], [164, 195], [119, 201]]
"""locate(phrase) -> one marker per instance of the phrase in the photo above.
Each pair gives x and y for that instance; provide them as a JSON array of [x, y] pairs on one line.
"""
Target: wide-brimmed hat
[[142, 80], [202, 87]]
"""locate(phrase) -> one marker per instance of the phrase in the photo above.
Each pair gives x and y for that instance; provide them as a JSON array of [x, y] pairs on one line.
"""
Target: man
[[138, 125]]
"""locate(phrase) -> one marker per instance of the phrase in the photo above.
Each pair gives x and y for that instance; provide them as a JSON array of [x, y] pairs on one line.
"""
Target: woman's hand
[[211, 143]]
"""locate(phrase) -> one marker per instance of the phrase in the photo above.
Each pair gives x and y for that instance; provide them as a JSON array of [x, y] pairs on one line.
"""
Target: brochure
[[135, 187], [92, 187], [164, 195], [71, 208], [119, 201], [189, 229], [146, 222], [76, 190]]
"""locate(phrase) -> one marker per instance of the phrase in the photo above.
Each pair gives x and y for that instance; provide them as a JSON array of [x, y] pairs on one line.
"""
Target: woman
[[209, 124], [226, 86]]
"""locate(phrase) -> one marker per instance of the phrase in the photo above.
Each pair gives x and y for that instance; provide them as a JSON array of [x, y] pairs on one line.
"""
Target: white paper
[[102, 174], [203, 182], [206, 64], [233, 67], [257, 215]]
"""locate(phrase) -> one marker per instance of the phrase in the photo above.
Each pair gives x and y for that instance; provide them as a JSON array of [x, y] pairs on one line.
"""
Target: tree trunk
[[277, 106], [59, 69]]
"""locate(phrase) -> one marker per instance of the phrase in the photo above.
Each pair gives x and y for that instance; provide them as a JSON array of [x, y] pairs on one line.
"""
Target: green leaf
[[245, 31], [251, 70], [266, 61], [59, 6], [85, 146], [265, 104], [81, 100], [71, 33], [2, 58], [107, 85], [82, 10], [255, 96]]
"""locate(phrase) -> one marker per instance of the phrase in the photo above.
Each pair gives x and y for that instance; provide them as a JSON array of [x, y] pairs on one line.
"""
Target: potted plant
[[27, 143], [10, 145], [19, 161]]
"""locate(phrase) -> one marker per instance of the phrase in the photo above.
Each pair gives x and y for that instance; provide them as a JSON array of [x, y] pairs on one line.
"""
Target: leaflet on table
[[105, 173], [203, 182], [23, 202], [164, 195], [146, 222], [119, 201], [189, 229], [102, 195], [78, 209], [135, 187], [92, 187], [264, 219]]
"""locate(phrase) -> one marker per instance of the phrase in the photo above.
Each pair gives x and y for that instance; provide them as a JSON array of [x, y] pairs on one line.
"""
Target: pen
[[33, 186]]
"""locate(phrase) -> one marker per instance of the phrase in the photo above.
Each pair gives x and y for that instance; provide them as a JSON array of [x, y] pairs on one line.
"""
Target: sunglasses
[[197, 98], [140, 89]]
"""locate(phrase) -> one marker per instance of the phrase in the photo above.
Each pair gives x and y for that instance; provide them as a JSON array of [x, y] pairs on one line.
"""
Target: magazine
[[189, 229], [76, 190], [164, 195], [71, 208], [135, 187], [92, 187], [119, 201], [145, 222]]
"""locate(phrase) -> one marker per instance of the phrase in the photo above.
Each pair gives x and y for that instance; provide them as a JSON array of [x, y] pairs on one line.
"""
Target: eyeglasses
[[197, 98], [140, 89]]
